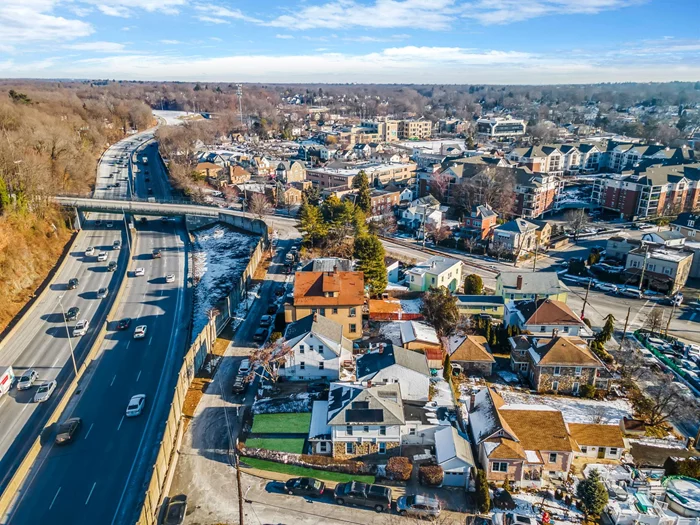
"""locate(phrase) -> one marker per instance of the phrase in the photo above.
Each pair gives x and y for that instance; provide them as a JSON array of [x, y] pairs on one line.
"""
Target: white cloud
[[507, 11], [212, 12], [170, 42], [284, 37], [125, 8], [31, 21], [212, 20], [97, 47]]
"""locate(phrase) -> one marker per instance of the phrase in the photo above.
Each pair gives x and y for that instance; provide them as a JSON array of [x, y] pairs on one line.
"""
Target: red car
[[124, 323]]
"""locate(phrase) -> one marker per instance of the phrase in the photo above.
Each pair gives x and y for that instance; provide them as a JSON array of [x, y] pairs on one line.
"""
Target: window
[[557, 370], [349, 448], [365, 429], [691, 224], [301, 349], [314, 310], [322, 311], [320, 349], [566, 329], [320, 365], [432, 279], [382, 448], [311, 348], [553, 457], [412, 431], [302, 365], [613, 451], [584, 449], [335, 310], [348, 430], [353, 328], [323, 447], [382, 431], [499, 466], [555, 385], [542, 328]]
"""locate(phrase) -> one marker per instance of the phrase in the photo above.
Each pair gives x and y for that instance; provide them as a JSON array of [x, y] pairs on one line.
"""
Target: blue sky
[[413, 41]]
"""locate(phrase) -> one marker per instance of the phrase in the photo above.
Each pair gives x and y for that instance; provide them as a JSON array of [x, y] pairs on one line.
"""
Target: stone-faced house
[[560, 364], [545, 317], [523, 445], [393, 364], [471, 353], [598, 441], [288, 172]]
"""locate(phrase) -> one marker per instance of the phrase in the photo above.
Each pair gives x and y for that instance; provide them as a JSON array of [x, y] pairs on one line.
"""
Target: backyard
[[293, 470], [292, 445], [281, 423]]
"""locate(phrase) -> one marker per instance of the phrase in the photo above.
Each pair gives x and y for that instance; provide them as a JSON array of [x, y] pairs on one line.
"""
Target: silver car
[[424, 507], [27, 380]]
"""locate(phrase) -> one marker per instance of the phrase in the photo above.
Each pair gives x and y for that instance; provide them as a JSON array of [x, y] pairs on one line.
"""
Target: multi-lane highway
[[100, 477]]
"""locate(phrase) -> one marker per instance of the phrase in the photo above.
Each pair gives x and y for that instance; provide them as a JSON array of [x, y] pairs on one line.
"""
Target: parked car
[[112, 266], [418, 506], [102, 293], [81, 328], [102, 256], [140, 331], [317, 387], [110, 224], [27, 380], [305, 487], [266, 321], [73, 283], [72, 313], [175, 511], [606, 287], [67, 431], [90, 251], [135, 406], [632, 292], [44, 392], [363, 494], [272, 308], [260, 335], [239, 385], [170, 278], [244, 367], [280, 290], [139, 272]]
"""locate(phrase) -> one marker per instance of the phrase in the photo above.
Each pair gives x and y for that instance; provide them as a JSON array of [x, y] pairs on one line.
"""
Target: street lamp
[[70, 342]]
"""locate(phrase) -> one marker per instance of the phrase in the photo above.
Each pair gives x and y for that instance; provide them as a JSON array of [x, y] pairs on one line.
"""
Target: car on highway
[[44, 391], [73, 283], [260, 335], [98, 222], [266, 321], [112, 266], [272, 308], [606, 287], [90, 251], [170, 278], [27, 380], [72, 313], [140, 331], [102, 293], [116, 245], [123, 324], [148, 179], [102, 256], [81, 328], [363, 494], [110, 224], [156, 254], [175, 511], [139, 272], [418, 506], [310, 487], [135, 406], [67, 431]]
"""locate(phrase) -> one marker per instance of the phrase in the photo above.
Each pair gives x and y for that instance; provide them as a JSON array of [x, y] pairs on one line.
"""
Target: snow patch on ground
[[220, 255], [574, 409], [508, 376], [301, 402], [392, 331], [244, 307], [668, 442], [411, 306], [443, 393], [559, 511]]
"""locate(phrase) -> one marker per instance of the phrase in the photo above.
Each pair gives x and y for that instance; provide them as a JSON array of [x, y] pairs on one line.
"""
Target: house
[[482, 219], [454, 454], [516, 237], [333, 294], [517, 286], [317, 349], [208, 170], [421, 336], [238, 175], [523, 445], [560, 364], [545, 317], [421, 212], [662, 269], [392, 269], [669, 239], [384, 202], [287, 172], [393, 364], [471, 354], [435, 272], [328, 264], [544, 233], [688, 225], [618, 247], [598, 441], [493, 305]]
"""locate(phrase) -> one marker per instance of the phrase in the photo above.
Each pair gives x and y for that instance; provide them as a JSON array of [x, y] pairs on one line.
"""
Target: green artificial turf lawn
[[281, 423], [293, 445], [293, 470]]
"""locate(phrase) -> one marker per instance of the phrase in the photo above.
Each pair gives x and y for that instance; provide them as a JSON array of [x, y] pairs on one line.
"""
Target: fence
[[642, 337], [193, 361]]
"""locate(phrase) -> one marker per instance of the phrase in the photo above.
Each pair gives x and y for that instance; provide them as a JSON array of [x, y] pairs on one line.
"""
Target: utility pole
[[673, 311], [624, 332], [585, 300], [239, 94], [644, 267], [534, 263]]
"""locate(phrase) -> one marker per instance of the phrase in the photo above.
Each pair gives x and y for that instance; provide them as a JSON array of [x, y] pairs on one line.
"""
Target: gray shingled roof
[[543, 283], [517, 226], [356, 405], [371, 363], [318, 325]]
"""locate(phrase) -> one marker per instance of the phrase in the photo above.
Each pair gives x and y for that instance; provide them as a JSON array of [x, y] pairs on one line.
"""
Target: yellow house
[[493, 305], [336, 295], [518, 286]]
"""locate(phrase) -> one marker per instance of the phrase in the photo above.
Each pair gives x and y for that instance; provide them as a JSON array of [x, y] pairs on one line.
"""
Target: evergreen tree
[[608, 329], [592, 494], [483, 498], [440, 310], [311, 224], [364, 199], [331, 209], [473, 284], [4, 197], [369, 253], [447, 368]]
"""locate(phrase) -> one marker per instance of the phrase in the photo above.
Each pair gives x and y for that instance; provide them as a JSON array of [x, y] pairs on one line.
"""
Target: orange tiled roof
[[553, 312], [474, 348], [348, 288]]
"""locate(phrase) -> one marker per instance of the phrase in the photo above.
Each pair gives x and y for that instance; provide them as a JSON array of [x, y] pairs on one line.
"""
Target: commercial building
[[496, 128], [342, 177], [662, 269]]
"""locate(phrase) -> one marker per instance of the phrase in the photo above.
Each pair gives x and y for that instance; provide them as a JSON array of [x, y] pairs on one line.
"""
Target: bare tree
[[654, 320], [259, 206], [270, 358], [439, 186], [577, 219], [662, 403], [437, 233], [470, 243], [492, 186]]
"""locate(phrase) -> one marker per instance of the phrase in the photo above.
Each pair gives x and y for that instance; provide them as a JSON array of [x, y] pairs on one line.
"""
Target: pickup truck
[[364, 495], [6, 380]]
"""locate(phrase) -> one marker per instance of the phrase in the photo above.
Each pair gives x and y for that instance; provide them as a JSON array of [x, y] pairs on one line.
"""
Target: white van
[[244, 367], [632, 292]]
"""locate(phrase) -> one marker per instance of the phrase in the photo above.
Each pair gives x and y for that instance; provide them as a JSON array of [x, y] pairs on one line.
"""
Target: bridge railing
[[156, 200]]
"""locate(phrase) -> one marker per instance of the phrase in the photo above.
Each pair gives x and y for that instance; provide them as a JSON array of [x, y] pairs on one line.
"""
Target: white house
[[598, 441], [393, 364], [453, 453], [317, 349]]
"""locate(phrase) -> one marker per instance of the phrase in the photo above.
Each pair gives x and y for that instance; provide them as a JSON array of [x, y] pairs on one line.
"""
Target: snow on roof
[[522, 406], [319, 420], [415, 331], [449, 444], [482, 419], [532, 456]]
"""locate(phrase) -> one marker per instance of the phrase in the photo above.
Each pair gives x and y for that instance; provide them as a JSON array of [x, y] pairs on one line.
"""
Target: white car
[[81, 327], [102, 256], [44, 392], [102, 293], [90, 251], [140, 331], [136, 405], [606, 287], [170, 278], [27, 379], [139, 272]]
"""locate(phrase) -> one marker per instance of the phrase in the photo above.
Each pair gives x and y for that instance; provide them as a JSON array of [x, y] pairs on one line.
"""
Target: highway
[[101, 476]]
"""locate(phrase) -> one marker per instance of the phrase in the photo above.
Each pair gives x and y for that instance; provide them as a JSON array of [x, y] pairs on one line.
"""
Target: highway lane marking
[[127, 344], [150, 341], [115, 376], [138, 376], [120, 423], [89, 495], [89, 430], [54, 498]]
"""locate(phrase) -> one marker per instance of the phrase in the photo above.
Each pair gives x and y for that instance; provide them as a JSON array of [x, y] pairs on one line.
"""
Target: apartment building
[[536, 193], [541, 159], [619, 157], [516, 237], [498, 128], [650, 192], [415, 129], [343, 176], [384, 202], [662, 269]]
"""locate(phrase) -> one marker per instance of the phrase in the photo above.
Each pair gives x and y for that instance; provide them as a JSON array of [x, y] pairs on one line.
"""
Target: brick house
[[536, 193], [481, 221], [560, 364], [472, 354], [523, 446], [384, 202]]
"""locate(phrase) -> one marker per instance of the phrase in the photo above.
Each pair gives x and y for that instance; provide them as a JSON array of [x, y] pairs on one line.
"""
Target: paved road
[[100, 477]]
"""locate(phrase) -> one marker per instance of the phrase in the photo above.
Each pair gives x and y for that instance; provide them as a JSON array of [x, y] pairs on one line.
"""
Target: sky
[[361, 41]]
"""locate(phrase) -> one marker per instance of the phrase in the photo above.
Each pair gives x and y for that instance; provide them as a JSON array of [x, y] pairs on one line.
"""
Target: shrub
[[274, 336], [399, 468], [483, 498], [587, 391], [473, 285], [430, 475]]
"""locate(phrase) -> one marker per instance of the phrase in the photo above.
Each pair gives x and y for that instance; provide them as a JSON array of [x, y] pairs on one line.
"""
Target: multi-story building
[[516, 237], [497, 128], [383, 129], [619, 157], [660, 268], [434, 273], [688, 224], [288, 172], [481, 221], [540, 159], [415, 129], [650, 192], [376, 172], [536, 193]]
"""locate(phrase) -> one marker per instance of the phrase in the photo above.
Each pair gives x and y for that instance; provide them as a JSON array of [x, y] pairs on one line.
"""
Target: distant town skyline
[[362, 41]]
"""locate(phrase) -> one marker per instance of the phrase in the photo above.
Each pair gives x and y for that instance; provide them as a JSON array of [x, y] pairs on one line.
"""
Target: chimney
[[519, 283], [369, 384], [555, 332], [472, 401], [381, 348]]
